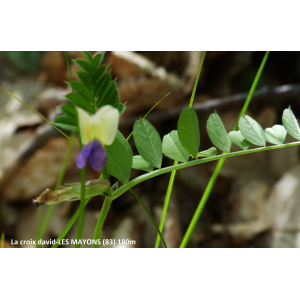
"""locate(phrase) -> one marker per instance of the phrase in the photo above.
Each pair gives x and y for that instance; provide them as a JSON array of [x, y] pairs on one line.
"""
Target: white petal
[[86, 126], [106, 121]]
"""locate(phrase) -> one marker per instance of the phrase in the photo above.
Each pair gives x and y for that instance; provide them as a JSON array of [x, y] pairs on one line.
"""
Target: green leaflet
[[237, 138], [276, 135], [290, 123], [188, 131], [65, 123], [252, 131], [119, 158], [99, 73], [122, 108], [88, 56], [217, 132], [97, 60], [172, 147], [102, 86], [81, 89], [140, 164], [84, 65], [209, 152], [148, 142], [86, 79], [70, 111], [105, 97], [80, 101]]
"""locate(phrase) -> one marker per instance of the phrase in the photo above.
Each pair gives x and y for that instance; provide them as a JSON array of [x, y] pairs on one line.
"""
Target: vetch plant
[[94, 113]]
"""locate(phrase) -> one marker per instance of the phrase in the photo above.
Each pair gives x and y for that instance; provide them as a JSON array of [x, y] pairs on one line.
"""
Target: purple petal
[[97, 156], [83, 155]]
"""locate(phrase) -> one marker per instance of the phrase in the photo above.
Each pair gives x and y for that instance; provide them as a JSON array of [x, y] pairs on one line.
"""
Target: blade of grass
[[147, 211], [196, 82], [219, 166], [39, 115], [149, 112], [101, 219], [2, 240], [166, 205], [170, 186], [58, 184]]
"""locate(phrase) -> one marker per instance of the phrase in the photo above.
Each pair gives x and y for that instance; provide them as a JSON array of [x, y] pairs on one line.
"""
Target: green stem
[[155, 173], [153, 221], [39, 221], [2, 240], [221, 162], [144, 177], [196, 82], [202, 203], [166, 204], [81, 209], [68, 65], [253, 87], [57, 186], [69, 225], [101, 219]]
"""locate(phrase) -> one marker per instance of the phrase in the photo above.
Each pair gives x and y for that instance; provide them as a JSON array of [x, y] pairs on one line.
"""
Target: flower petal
[[106, 122], [83, 155], [86, 126], [98, 156]]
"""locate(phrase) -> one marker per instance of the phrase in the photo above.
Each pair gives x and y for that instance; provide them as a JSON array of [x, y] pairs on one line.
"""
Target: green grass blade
[[2, 240], [166, 204], [196, 82], [219, 166], [58, 184], [101, 219], [145, 208]]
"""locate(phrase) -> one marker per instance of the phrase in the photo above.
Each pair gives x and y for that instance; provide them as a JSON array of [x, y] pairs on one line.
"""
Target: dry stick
[[214, 177]]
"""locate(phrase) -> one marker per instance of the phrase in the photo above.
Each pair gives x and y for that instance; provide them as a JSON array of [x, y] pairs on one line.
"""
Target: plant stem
[[202, 203], [155, 173], [68, 65], [101, 219], [221, 162], [58, 184], [166, 204], [2, 240], [196, 82], [153, 221], [144, 177]]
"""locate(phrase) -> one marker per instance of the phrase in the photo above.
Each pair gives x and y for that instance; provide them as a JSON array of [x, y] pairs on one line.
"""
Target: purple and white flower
[[96, 132]]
